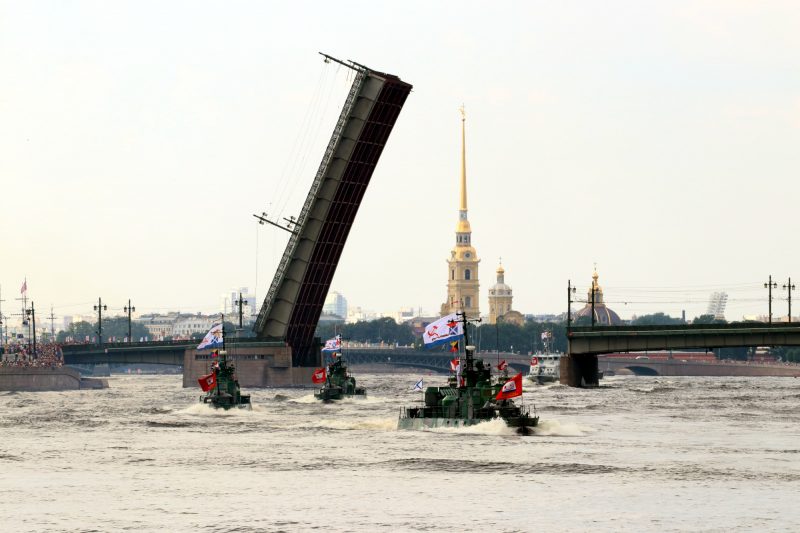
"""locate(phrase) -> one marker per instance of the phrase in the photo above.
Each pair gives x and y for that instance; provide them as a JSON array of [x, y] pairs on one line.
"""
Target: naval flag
[[213, 338], [333, 345], [445, 329], [511, 388], [418, 385]]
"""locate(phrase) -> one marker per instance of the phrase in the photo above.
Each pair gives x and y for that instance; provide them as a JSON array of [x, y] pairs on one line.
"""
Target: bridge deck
[[600, 340]]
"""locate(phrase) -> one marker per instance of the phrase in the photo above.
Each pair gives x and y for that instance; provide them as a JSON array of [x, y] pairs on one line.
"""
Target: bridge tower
[[293, 304]]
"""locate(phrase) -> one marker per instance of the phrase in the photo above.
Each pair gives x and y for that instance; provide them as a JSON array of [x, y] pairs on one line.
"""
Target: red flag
[[208, 382], [454, 346], [319, 375], [511, 388], [502, 365], [454, 365]]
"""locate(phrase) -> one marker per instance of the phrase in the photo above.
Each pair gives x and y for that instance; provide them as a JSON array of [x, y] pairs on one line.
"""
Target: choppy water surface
[[638, 454]]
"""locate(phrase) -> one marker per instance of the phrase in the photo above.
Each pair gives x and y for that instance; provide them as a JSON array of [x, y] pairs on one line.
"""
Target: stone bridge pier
[[580, 370]]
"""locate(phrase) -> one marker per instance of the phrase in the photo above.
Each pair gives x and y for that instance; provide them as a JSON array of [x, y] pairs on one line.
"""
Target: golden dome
[[501, 270], [463, 226]]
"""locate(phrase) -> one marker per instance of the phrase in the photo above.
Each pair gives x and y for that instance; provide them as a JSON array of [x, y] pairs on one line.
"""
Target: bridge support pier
[[579, 371]]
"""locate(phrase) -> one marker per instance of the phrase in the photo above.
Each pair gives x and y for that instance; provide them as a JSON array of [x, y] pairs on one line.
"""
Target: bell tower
[[462, 266]]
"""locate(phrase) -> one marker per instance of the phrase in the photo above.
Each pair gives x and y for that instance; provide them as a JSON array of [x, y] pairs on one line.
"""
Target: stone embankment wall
[[46, 379]]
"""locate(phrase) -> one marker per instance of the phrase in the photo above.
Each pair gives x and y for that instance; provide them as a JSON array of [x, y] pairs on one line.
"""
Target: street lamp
[[789, 288], [570, 291], [770, 285], [240, 303], [128, 310], [100, 308], [32, 313]]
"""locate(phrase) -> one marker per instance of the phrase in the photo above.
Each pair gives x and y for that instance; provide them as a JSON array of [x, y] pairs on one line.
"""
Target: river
[[638, 454]]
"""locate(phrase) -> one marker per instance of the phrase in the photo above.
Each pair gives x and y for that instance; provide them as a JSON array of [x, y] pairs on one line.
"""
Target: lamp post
[[770, 285], [789, 288], [240, 303], [570, 292], [100, 308], [32, 313], [128, 310]]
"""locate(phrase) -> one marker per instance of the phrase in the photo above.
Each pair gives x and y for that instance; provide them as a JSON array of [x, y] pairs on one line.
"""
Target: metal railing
[[291, 246]]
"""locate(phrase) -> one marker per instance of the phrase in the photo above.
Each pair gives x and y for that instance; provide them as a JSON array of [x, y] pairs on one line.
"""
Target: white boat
[[546, 365]]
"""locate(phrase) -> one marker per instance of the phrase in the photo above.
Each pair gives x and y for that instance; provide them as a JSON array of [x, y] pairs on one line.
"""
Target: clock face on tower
[[467, 255]]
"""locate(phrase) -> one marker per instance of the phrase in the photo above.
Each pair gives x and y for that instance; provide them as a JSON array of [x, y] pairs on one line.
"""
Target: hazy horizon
[[657, 140]]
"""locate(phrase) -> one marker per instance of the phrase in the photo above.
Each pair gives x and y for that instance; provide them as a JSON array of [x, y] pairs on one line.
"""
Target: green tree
[[656, 319], [383, 329], [78, 331], [708, 319]]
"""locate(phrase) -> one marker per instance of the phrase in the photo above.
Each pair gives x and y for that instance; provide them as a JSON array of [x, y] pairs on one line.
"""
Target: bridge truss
[[295, 298]]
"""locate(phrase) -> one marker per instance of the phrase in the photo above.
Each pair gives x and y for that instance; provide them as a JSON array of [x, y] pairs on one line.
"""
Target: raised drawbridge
[[293, 304]]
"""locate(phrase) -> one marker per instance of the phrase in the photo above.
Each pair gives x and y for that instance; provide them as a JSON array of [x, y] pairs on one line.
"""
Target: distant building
[[159, 326], [716, 305], [603, 316], [500, 300], [335, 304], [357, 314], [191, 325]]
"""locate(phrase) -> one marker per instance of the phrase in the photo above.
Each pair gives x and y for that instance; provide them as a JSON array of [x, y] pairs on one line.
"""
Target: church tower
[[462, 267], [500, 296]]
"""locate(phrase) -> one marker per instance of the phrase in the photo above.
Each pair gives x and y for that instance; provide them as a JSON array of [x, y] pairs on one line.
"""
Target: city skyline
[[654, 144]]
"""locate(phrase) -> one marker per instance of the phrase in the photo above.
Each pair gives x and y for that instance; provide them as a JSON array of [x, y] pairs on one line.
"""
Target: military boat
[[470, 398], [339, 383], [220, 386]]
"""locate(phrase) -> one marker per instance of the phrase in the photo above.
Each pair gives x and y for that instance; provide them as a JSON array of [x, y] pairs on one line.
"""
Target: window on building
[[468, 301], [467, 274], [452, 274]]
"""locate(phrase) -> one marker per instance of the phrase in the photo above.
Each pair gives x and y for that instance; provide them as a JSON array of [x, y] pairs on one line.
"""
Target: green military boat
[[221, 386], [339, 384], [470, 399]]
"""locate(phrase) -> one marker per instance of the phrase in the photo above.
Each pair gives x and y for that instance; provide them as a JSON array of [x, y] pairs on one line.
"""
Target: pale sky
[[656, 139]]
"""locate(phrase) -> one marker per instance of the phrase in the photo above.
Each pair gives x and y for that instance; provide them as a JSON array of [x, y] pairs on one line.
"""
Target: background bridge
[[580, 367]]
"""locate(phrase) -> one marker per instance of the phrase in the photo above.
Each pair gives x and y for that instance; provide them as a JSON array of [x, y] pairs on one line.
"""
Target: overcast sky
[[659, 140]]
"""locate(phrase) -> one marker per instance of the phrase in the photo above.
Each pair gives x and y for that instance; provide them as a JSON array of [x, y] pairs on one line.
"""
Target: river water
[[638, 454]]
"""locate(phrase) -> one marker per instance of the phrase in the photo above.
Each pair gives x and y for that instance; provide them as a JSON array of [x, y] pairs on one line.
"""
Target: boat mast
[[468, 370], [223, 353]]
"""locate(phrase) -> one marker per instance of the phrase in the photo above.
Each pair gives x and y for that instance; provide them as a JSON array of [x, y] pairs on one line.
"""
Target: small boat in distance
[[546, 365], [221, 386], [338, 383]]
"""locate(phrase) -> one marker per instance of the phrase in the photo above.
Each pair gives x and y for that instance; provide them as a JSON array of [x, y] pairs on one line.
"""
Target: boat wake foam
[[202, 409], [554, 428], [369, 424], [490, 427]]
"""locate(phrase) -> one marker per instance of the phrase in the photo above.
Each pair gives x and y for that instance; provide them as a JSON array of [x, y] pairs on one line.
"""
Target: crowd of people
[[21, 355]]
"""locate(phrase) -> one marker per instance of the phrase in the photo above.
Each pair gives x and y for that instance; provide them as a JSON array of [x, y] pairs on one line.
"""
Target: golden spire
[[463, 159]]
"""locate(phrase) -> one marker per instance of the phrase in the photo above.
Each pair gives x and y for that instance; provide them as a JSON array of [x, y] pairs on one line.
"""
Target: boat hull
[[522, 425], [226, 401], [330, 394]]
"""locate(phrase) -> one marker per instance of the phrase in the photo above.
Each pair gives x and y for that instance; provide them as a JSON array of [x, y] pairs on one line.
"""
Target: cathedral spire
[[463, 206], [463, 229]]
